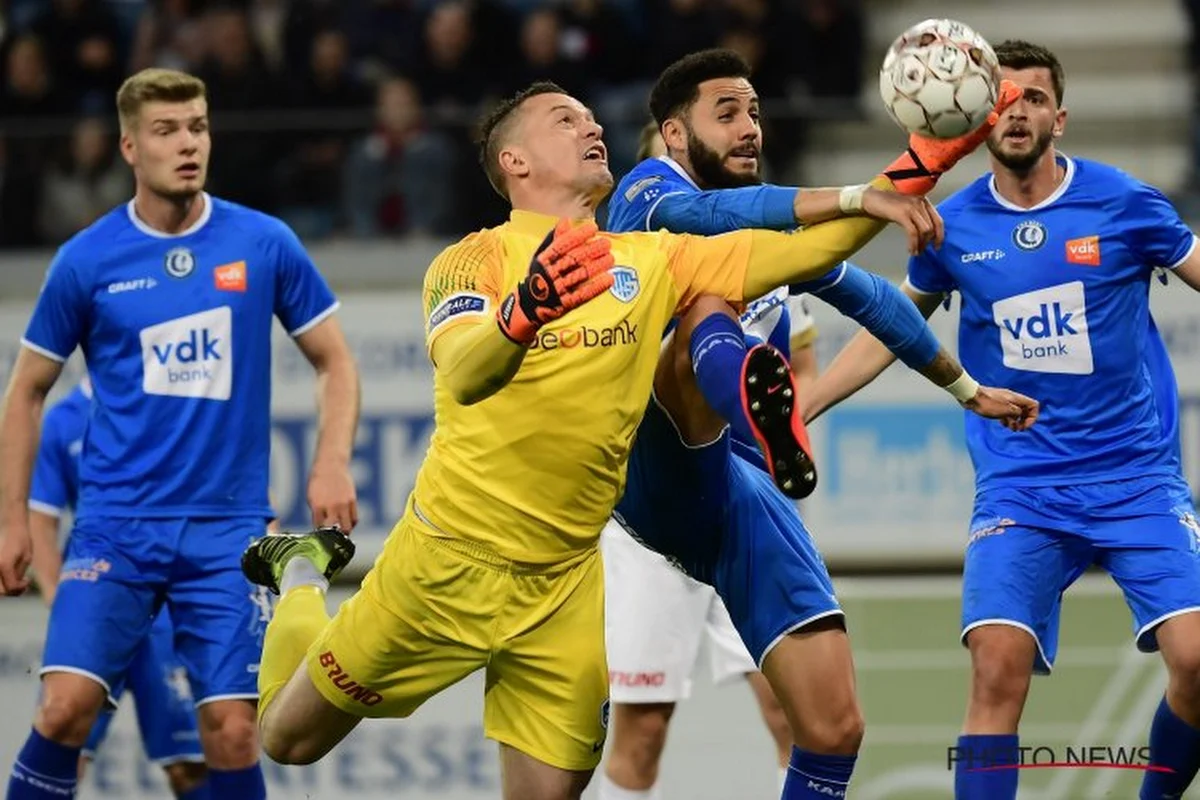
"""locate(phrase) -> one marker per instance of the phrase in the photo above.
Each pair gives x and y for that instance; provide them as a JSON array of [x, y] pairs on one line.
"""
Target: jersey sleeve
[[49, 488], [724, 210], [637, 197], [928, 275], [302, 297], [60, 316], [462, 285], [709, 265], [1155, 231]]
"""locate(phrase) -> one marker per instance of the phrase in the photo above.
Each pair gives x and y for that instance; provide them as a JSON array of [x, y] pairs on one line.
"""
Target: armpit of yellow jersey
[[534, 471]]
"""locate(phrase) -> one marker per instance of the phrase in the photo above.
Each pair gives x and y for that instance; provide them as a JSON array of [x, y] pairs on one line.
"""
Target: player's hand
[[16, 554], [569, 268], [1015, 411], [332, 497], [917, 170], [916, 215]]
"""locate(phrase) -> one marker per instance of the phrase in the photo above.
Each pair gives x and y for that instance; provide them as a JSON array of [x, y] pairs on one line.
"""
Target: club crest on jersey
[[1029, 235], [179, 262], [625, 283]]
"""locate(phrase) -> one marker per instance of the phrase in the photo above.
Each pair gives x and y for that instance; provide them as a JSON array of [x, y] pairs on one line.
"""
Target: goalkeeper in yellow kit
[[495, 563]]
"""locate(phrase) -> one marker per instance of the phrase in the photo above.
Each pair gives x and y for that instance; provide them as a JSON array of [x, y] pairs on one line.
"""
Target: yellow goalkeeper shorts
[[432, 610]]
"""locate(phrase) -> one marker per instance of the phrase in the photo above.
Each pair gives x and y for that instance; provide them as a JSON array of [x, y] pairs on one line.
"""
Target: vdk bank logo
[[190, 356], [1046, 330]]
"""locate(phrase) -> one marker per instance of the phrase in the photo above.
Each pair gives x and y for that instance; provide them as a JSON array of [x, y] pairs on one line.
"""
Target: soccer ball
[[940, 79]]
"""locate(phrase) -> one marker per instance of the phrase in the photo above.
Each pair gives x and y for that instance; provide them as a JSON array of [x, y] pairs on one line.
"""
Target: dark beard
[[710, 169], [1023, 163]]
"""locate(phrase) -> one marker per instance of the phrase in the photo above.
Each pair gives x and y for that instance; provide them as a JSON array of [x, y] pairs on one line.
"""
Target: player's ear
[[127, 147], [514, 161], [1060, 122], [674, 134]]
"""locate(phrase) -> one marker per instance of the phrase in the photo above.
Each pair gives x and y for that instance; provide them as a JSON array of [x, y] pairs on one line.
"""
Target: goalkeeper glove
[[570, 267], [917, 170]]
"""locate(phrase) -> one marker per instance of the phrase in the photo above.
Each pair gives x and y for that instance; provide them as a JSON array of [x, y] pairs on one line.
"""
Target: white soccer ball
[[940, 79]]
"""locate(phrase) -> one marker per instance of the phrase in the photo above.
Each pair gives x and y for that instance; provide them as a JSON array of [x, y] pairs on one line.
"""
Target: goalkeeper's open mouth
[[596, 152]]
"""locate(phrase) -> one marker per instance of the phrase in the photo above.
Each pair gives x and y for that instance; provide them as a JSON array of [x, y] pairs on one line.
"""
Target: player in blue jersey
[[1052, 257], [657, 618], [700, 496], [156, 678], [171, 299]]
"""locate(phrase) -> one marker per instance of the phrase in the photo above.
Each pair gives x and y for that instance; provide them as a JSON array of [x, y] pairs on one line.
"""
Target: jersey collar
[[533, 223], [85, 386], [673, 164], [157, 234], [1063, 159]]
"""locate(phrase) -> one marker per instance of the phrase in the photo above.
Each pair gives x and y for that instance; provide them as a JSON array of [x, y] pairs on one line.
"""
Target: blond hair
[[155, 85], [648, 141]]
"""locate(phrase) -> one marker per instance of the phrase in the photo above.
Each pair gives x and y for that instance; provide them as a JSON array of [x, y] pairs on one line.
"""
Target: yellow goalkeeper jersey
[[533, 472]]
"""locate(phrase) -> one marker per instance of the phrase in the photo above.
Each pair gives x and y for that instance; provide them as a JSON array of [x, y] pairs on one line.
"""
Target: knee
[[229, 733], [185, 777], [640, 734], [840, 733], [1001, 666], [66, 713]]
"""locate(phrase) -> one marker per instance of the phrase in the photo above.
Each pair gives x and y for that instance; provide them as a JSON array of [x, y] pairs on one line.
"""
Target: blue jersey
[[54, 487], [176, 331], [658, 193], [1055, 305]]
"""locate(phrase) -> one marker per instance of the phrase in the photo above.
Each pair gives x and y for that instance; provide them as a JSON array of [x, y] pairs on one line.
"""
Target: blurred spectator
[[19, 194], [89, 181], [384, 34], [450, 77], [597, 35], [310, 180], [542, 58], [239, 84], [29, 87], [169, 34], [680, 27], [81, 40], [826, 40], [402, 177]]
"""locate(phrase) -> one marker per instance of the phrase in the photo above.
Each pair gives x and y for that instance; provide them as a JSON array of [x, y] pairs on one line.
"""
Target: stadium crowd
[[355, 117]]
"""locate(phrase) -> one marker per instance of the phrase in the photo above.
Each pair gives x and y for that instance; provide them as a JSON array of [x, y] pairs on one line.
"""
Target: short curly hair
[[679, 85]]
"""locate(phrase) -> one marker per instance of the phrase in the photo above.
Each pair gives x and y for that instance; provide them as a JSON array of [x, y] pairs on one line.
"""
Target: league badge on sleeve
[[625, 283]]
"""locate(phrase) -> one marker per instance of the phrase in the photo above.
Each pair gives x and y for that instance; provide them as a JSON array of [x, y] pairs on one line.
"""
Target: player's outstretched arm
[[20, 422], [865, 357], [331, 492], [476, 359]]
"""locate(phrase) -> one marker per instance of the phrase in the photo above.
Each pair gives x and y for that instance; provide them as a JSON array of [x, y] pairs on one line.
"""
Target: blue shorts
[[724, 522], [165, 708], [1027, 545], [118, 573]]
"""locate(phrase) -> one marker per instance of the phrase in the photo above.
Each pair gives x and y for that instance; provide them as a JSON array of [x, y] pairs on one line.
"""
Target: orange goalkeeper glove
[[917, 170], [570, 267]]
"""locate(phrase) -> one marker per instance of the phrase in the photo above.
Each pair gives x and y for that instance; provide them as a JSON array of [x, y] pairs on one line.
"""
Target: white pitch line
[[947, 587], [1134, 729], [957, 658]]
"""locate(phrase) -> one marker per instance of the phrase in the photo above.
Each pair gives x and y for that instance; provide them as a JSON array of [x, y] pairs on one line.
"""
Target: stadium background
[[351, 119]]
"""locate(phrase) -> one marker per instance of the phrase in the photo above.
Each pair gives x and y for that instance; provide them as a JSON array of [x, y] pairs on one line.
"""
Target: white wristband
[[850, 200], [963, 388]]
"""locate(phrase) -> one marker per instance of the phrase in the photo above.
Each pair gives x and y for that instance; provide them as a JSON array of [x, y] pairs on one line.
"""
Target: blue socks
[[244, 784], [201, 792], [1173, 744], [44, 769], [812, 776], [986, 750], [718, 348]]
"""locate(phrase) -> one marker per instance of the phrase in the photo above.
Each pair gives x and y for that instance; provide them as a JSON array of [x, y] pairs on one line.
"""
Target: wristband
[[850, 200], [963, 388]]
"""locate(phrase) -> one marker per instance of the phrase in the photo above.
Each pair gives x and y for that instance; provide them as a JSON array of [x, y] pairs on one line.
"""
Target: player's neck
[[573, 206], [1029, 188], [168, 215]]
